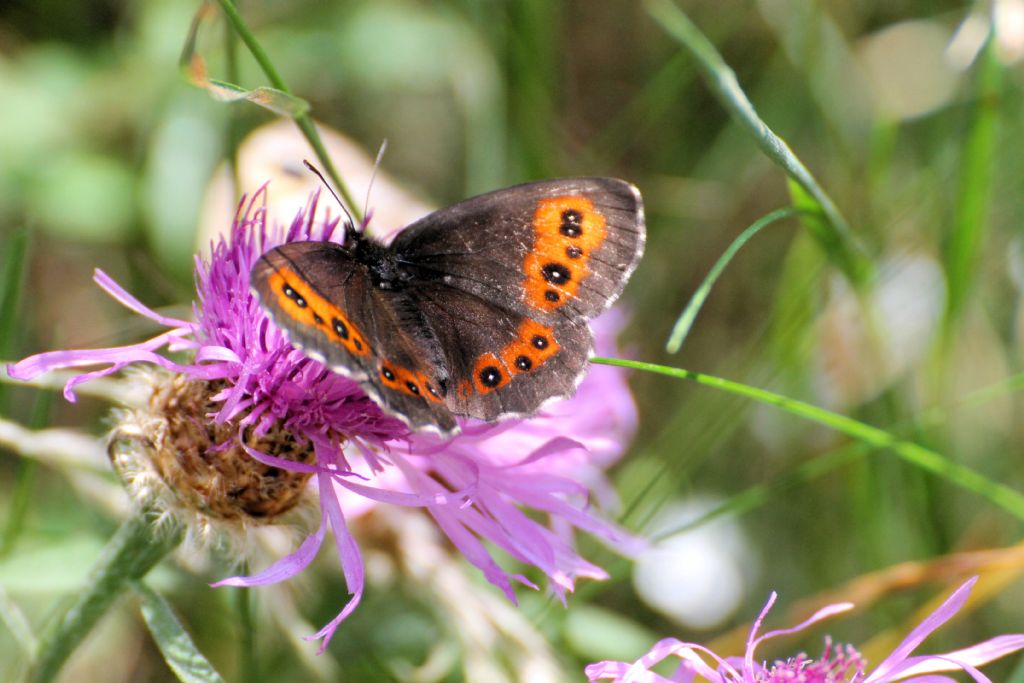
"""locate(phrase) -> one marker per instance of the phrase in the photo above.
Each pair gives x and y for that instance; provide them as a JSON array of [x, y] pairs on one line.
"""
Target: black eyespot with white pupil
[[340, 328], [539, 341], [490, 376], [413, 388], [573, 252], [556, 273], [524, 363], [387, 374], [552, 295], [293, 295], [571, 223]]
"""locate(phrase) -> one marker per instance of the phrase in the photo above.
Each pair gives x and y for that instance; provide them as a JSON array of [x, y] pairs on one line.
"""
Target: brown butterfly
[[476, 310]]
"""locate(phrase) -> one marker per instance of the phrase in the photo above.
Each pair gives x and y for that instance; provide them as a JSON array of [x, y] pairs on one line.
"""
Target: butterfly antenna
[[373, 175], [351, 222]]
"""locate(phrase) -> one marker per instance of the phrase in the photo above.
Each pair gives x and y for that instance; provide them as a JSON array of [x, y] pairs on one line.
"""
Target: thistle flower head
[[239, 422]]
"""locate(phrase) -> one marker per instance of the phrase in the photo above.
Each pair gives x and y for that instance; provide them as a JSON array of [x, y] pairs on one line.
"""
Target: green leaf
[[180, 653], [277, 101]]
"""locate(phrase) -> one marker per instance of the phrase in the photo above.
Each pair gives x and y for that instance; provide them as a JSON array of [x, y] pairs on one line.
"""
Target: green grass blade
[[243, 597], [996, 493], [180, 653], [685, 321], [977, 170], [840, 241], [11, 284], [17, 624], [25, 482], [757, 495]]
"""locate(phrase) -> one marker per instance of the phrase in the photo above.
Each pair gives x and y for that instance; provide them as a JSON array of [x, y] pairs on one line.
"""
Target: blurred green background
[[909, 113]]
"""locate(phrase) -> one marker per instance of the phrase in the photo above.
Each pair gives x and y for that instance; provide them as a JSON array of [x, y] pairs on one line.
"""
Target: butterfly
[[477, 310]]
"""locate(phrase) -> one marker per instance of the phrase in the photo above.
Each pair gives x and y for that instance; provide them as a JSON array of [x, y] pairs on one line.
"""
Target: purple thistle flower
[[837, 664], [247, 406]]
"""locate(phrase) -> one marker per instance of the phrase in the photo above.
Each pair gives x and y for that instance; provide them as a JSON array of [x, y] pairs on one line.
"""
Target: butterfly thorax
[[381, 263]]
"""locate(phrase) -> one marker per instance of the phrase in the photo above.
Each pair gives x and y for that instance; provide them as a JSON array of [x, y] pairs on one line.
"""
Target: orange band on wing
[[534, 344], [408, 382], [566, 232], [301, 303]]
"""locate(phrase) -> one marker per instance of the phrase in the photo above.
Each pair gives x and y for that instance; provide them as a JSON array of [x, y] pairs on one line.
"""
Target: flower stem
[[303, 121], [131, 553]]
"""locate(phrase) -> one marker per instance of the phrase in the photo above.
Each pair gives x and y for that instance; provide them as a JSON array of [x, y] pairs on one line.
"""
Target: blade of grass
[[246, 632], [10, 290], [174, 642], [17, 623], [10, 297], [757, 495], [531, 71], [685, 321], [839, 242], [281, 103], [977, 169], [24, 485], [996, 493]]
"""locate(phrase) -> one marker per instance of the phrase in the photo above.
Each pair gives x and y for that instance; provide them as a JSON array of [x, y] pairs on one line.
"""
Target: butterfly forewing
[[558, 248], [299, 285]]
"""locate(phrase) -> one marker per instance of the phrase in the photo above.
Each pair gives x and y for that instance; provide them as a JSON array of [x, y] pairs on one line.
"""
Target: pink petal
[[122, 296], [285, 568], [620, 672], [934, 620], [821, 614], [348, 554], [958, 660]]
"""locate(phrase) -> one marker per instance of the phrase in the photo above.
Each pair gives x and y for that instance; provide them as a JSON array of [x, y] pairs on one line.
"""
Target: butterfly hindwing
[[557, 248], [502, 363], [409, 377]]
